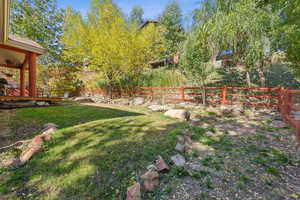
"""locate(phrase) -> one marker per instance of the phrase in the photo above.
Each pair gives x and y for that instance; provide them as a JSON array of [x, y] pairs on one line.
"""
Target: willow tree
[[244, 29], [108, 44]]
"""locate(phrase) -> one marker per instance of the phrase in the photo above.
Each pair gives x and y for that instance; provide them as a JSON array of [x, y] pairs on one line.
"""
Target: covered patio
[[19, 54]]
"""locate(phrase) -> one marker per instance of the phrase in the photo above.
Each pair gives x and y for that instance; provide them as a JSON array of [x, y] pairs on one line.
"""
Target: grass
[[100, 151], [97, 153]]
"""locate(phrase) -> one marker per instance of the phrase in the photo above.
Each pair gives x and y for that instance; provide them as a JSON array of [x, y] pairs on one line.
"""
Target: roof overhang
[[11, 40], [4, 9]]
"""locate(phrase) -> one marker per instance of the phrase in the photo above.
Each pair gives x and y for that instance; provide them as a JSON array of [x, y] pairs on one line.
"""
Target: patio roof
[[18, 53]]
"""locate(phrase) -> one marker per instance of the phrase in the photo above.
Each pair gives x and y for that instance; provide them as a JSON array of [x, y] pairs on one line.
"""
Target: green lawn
[[97, 153]]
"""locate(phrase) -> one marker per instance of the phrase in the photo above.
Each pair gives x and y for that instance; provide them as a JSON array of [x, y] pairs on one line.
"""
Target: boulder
[[161, 165], [178, 160], [151, 180], [138, 101], [178, 114], [50, 125], [84, 100], [158, 108], [42, 103], [46, 133], [134, 192]]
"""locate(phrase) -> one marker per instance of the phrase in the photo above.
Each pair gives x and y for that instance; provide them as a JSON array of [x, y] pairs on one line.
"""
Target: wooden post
[[22, 81], [152, 94], [280, 95], [32, 75], [223, 95], [182, 94]]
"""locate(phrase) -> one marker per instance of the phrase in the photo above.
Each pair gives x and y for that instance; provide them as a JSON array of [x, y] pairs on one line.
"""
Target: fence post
[[223, 95], [182, 94], [280, 98], [152, 94]]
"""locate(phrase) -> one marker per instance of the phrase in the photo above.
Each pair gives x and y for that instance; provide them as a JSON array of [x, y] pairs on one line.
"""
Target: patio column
[[32, 75], [22, 81]]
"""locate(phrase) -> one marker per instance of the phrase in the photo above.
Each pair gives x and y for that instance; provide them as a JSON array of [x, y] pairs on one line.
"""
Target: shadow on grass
[[66, 116], [96, 160]]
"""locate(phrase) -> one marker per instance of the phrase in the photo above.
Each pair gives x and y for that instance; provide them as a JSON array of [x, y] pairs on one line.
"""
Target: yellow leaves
[[111, 46]]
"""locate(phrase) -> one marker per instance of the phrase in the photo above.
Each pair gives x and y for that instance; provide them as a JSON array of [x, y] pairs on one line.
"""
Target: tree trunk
[[203, 96], [261, 74], [248, 79]]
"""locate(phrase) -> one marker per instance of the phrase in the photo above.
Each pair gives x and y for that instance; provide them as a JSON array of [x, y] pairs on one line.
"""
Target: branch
[[12, 145]]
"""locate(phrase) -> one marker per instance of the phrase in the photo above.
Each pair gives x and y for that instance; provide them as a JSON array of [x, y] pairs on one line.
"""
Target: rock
[[42, 103], [84, 100], [138, 101], [134, 192], [34, 147], [151, 180], [195, 122], [122, 101], [161, 165], [178, 160], [180, 147], [178, 114], [209, 133], [158, 108], [180, 139], [188, 140], [50, 125], [151, 168], [205, 125], [46, 133], [278, 124]]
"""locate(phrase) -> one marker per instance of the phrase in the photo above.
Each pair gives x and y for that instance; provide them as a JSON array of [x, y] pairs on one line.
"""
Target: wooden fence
[[259, 97], [286, 106], [277, 98]]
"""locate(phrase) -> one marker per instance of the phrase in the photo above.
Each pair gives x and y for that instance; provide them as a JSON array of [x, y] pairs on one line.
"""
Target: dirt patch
[[14, 129], [251, 160]]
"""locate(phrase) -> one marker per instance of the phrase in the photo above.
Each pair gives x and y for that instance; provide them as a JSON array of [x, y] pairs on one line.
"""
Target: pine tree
[[171, 19]]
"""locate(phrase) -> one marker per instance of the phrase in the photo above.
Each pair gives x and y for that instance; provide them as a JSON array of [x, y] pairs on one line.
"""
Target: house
[[161, 62], [18, 53]]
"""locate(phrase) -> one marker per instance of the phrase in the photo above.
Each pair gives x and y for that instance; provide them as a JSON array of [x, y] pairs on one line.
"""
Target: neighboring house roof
[[165, 61], [146, 23]]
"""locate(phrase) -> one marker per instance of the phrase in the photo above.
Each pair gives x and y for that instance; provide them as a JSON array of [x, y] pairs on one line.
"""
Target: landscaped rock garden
[[227, 154]]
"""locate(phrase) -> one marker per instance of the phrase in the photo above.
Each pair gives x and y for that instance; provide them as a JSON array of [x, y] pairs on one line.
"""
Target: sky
[[152, 8]]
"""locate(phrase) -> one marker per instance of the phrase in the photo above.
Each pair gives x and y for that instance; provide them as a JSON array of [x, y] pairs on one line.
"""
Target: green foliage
[[171, 19], [108, 45], [195, 60], [136, 15], [162, 78], [41, 21]]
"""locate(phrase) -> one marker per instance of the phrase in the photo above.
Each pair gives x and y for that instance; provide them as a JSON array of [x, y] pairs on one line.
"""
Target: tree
[[136, 16], [234, 29], [195, 60], [108, 45], [171, 19], [41, 21]]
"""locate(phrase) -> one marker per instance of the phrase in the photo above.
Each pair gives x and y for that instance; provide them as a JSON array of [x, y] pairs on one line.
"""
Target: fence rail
[[277, 98]]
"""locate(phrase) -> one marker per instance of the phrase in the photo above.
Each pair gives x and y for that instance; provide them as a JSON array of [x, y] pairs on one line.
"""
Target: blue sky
[[152, 8]]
